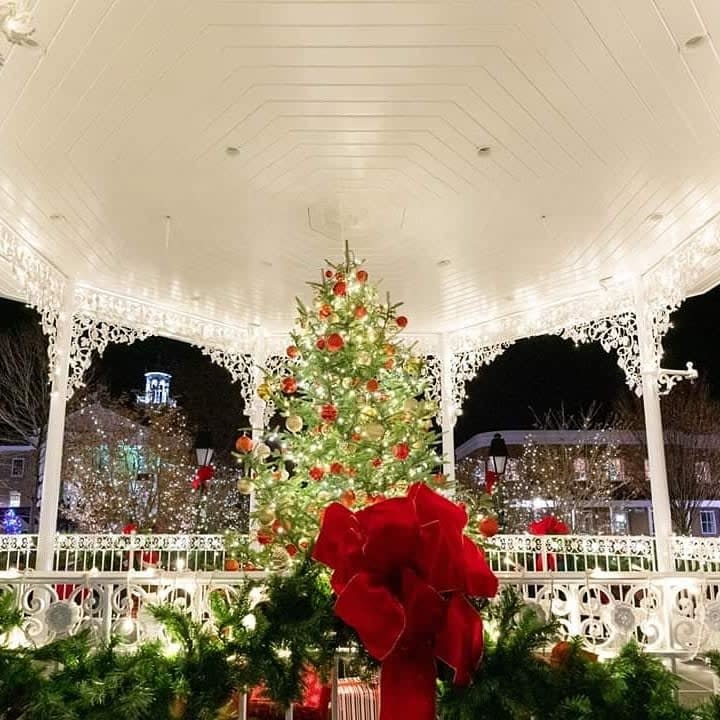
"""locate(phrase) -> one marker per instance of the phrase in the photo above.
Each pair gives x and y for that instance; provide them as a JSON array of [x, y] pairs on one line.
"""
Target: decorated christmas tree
[[355, 427]]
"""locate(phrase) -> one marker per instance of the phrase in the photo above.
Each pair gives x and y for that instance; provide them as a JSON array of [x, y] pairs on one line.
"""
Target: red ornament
[[328, 413], [292, 352], [264, 537], [401, 451], [340, 288], [231, 565], [389, 349], [401, 321], [488, 526], [130, 529], [150, 559], [376, 462], [278, 527], [389, 364], [439, 479], [335, 343], [361, 276], [289, 385], [325, 311], [316, 473], [320, 344], [356, 437], [328, 274], [347, 498], [336, 468], [360, 312], [244, 444], [292, 551], [372, 385], [402, 574]]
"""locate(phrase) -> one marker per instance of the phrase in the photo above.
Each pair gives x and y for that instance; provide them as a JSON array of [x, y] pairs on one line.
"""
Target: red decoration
[[292, 551], [361, 276], [347, 498], [289, 385], [336, 468], [316, 473], [356, 437], [203, 475], [549, 525], [401, 451], [328, 413], [439, 479], [130, 529], [264, 537], [488, 526], [320, 344], [401, 321], [490, 479], [389, 364], [150, 558], [339, 288], [325, 311], [292, 351], [360, 312], [402, 572], [372, 385], [244, 444], [376, 462], [328, 274], [335, 342], [232, 565], [389, 349]]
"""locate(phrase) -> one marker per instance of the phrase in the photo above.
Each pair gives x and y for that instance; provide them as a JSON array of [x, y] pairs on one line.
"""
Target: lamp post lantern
[[204, 449], [497, 455]]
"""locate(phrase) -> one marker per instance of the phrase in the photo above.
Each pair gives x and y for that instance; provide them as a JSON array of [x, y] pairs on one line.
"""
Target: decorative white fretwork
[[240, 366], [92, 335], [275, 365], [615, 334], [431, 375], [41, 285], [465, 365]]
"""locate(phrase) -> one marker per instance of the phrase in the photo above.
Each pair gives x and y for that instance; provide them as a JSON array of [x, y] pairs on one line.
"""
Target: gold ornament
[[262, 451], [372, 335], [367, 412], [364, 358], [264, 392], [347, 383], [245, 486], [294, 423], [279, 558], [429, 408], [266, 516], [413, 365], [418, 445], [372, 431], [411, 405]]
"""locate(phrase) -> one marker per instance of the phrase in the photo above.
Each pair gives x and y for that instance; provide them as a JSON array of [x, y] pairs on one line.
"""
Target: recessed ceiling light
[[266, 263], [695, 41], [483, 149], [196, 296], [232, 150], [56, 217], [443, 263], [655, 217]]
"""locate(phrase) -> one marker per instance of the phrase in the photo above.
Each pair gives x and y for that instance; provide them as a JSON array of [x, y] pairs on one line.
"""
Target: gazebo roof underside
[[362, 121]]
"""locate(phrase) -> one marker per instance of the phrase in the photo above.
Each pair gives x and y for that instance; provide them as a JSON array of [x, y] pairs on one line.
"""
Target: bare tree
[[567, 475], [691, 423], [24, 390]]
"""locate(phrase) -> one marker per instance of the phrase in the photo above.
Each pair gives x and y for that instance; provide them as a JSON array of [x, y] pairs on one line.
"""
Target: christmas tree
[[355, 427], [11, 524]]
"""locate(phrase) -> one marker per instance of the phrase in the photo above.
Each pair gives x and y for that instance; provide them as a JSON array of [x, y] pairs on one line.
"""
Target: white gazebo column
[[448, 411], [650, 368], [50, 497]]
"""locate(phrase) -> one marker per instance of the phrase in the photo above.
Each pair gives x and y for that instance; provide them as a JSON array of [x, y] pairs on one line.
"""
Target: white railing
[[115, 553], [571, 553], [669, 615], [520, 554]]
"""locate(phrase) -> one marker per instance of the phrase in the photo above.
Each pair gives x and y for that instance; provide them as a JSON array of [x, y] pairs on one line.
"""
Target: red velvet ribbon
[[203, 475], [402, 572], [490, 479], [549, 525]]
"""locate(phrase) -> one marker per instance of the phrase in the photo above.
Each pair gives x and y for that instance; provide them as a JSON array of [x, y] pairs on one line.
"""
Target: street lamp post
[[494, 470], [204, 452]]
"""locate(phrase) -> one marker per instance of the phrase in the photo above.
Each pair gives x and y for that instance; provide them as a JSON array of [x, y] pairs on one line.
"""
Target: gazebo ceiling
[[261, 128]]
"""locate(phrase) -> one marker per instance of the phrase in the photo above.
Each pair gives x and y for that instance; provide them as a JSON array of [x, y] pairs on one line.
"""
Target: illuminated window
[[708, 522], [18, 467], [14, 499]]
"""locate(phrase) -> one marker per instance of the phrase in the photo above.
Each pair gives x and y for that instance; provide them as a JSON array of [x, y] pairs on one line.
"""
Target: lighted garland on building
[[355, 426]]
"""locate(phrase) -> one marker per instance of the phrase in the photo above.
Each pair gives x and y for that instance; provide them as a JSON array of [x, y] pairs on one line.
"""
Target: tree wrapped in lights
[[11, 524], [356, 426], [128, 467], [565, 478]]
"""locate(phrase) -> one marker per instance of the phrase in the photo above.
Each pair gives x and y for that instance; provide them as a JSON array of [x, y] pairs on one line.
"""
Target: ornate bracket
[[465, 365], [668, 379], [92, 335], [240, 366], [40, 283], [617, 333]]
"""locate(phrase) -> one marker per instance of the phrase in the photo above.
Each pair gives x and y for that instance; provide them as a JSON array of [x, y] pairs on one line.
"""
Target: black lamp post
[[204, 449], [497, 455]]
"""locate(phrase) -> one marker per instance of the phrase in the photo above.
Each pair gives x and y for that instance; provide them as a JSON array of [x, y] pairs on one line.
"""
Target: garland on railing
[[275, 633]]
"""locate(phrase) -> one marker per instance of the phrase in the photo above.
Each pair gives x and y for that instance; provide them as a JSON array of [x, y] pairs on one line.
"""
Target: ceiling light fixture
[[695, 42], [56, 217], [483, 150], [17, 25], [655, 217], [232, 150], [443, 263]]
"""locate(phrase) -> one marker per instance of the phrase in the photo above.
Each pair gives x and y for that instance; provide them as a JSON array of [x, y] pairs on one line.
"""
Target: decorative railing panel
[[571, 553], [696, 554], [17, 552]]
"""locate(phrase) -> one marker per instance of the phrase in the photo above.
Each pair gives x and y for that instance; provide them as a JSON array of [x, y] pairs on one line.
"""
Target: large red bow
[[203, 475], [549, 525], [402, 571]]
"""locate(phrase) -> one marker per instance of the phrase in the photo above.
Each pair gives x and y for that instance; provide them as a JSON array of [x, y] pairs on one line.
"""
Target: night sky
[[531, 377]]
